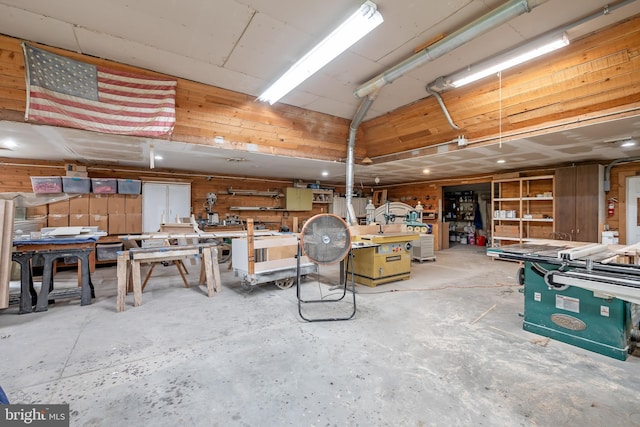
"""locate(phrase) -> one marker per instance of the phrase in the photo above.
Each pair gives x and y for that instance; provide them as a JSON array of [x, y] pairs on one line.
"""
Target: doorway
[[465, 213], [633, 210]]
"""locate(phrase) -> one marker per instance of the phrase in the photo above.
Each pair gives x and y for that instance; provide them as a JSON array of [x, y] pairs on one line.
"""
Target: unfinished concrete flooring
[[443, 348]]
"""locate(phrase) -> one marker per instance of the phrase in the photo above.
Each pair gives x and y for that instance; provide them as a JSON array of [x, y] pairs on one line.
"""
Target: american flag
[[65, 92]]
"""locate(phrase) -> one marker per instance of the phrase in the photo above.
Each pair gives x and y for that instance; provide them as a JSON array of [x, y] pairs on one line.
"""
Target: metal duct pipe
[[496, 17], [353, 129], [607, 170], [437, 96], [369, 90]]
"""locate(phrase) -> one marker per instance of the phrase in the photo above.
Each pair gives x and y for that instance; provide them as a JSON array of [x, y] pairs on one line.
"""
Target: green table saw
[[574, 294]]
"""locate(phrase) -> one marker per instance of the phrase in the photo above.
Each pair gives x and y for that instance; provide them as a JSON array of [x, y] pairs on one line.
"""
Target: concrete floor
[[445, 348]]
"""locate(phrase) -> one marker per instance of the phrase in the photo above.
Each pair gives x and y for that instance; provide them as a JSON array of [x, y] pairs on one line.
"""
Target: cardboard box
[[79, 220], [59, 208], [77, 174], [116, 204], [102, 221], [507, 231], [134, 223], [37, 211], [79, 205], [117, 224], [98, 204], [57, 220], [133, 204]]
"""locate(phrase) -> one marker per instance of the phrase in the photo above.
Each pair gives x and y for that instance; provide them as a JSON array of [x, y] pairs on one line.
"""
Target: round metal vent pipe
[[369, 90]]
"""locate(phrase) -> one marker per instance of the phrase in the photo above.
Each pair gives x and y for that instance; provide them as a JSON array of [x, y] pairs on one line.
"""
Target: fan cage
[[325, 239]]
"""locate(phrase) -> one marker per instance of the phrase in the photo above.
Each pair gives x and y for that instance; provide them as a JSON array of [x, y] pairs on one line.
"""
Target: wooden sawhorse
[[130, 260]]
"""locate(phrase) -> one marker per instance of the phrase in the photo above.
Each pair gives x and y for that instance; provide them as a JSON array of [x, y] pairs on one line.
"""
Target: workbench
[[51, 250]]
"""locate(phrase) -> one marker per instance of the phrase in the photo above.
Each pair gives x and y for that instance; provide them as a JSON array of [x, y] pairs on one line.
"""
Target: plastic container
[[129, 186], [108, 251], [481, 240], [104, 185], [46, 184], [75, 184]]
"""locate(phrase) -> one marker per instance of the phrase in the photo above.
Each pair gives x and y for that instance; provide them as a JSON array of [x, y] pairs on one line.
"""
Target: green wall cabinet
[[298, 199]]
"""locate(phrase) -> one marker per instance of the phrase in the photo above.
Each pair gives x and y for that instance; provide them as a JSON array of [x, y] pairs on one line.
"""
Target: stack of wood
[[629, 254]]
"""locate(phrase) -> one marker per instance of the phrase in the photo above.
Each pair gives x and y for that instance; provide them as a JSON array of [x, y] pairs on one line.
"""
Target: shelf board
[[506, 238], [537, 198], [254, 208], [274, 193], [525, 219], [507, 199]]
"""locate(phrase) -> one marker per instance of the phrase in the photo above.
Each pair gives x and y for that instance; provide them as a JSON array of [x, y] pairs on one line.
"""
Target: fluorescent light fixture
[[325, 173], [628, 143], [500, 161], [426, 171], [10, 143], [365, 19], [503, 61]]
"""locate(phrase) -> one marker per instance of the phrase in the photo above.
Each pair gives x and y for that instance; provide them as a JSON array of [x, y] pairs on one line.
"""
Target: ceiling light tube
[[363, 21], [506, 60]]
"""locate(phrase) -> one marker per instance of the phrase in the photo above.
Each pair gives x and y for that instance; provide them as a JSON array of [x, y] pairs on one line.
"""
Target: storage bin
[[104, 185], [46, 184], [75, 184], [108, 251], [129, 186]]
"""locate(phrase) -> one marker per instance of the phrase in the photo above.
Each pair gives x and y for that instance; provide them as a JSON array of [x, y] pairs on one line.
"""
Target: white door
[[179, 202], [154, 206], [164, 203], [633, 199]]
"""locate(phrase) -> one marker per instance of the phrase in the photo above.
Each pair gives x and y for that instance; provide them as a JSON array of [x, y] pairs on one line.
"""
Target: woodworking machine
[[580, 295], [382, 258]]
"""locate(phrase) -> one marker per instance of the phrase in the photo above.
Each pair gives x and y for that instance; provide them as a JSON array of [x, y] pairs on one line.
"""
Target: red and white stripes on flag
[[65, 92]]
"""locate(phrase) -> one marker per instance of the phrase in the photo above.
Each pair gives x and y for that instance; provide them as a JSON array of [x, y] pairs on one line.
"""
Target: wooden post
[[6, 243], [137, 283], [217, 284], [123, 262], [211, 269], [250, 249]]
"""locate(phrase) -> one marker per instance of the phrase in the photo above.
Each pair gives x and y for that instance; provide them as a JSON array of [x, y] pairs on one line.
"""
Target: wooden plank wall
[[15, 177], [619, 175], [593, 75], [204, 112]]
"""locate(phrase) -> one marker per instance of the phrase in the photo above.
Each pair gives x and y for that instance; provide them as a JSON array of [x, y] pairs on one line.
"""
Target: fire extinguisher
[[611, 208]]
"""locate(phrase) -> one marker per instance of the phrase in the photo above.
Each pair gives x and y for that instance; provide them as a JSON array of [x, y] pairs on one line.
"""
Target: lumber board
[[6, 244]]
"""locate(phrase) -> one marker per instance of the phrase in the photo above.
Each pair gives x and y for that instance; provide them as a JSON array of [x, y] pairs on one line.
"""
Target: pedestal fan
[[325, 239]]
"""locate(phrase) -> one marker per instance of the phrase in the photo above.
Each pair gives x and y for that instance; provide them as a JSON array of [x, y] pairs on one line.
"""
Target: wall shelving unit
[[523, 209]]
